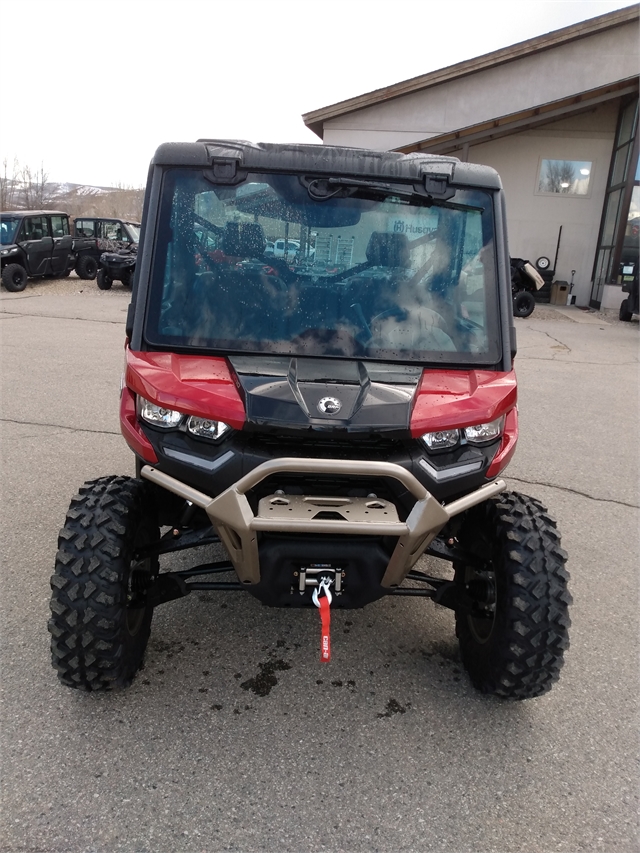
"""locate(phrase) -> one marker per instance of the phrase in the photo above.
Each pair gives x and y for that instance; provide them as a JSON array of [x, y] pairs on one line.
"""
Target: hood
[[326, 395]]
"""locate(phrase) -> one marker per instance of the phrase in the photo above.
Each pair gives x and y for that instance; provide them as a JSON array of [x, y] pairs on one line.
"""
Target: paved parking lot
[[234, 737]]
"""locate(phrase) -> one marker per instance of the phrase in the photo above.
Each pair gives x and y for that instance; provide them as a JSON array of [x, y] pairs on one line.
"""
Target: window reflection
[[566, 177], [295, 266]]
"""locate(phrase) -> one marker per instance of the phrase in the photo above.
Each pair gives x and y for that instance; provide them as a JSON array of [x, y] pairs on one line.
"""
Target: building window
[[565, 177], [618, 240]]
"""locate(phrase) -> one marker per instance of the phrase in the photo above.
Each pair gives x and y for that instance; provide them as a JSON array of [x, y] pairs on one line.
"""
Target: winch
[[321, 574]]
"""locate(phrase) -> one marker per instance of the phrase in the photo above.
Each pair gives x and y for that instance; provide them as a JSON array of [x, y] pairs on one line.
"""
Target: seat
[[231, 239], [387, 250], [375, 291], [252, 241]]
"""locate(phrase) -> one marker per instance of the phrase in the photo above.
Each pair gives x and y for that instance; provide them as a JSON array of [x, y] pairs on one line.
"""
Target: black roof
[[329, 159], [107, 219], [34, 213]]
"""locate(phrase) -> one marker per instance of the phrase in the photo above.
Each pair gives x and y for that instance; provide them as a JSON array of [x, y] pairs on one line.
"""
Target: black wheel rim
[[481, 586], [135, 608], [139, 580]]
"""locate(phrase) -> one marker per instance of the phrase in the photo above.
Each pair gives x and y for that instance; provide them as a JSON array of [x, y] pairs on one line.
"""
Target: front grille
[[319, 446]]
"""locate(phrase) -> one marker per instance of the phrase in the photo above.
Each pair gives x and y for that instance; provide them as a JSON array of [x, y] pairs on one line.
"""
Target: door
[[61, 244], [36, 242]]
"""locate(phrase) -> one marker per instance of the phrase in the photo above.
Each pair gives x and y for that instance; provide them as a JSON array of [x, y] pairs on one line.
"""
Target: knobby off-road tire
[[14, 278], [100, 624], [103, 280], [87, 267], [523, 304], [516, 649], [624, 314]]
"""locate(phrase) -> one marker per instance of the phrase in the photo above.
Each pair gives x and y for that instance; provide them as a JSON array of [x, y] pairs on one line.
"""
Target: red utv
[[330, 422]]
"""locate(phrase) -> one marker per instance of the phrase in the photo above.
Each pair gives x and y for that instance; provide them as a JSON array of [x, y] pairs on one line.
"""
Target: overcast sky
[[92, 87]]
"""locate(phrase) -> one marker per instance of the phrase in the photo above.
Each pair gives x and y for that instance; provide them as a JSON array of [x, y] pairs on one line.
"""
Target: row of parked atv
[[43, 243]]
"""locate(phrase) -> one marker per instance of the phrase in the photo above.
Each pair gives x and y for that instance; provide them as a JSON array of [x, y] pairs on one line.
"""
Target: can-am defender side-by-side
[[330, 416]]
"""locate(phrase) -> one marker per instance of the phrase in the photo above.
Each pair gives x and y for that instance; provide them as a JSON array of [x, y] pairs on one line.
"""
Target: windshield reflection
[[8, 229], [269, 267]]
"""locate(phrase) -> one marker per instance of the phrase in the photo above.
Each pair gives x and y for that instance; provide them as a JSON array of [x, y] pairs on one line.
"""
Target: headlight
[[157, 415], [204, 428], [442, 439], [477, 434], [484, 433]]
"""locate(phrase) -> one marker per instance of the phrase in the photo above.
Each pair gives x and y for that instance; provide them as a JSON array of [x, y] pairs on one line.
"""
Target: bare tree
[[559, 176], [9, 184], [22, 187], [36, 196]]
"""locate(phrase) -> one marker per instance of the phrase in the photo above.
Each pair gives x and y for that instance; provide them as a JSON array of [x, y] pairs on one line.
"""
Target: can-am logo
[[329, 406]]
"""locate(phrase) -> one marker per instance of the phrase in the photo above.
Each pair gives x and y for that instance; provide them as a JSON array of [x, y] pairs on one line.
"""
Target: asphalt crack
[[573, 492], [60, 426], [633, 362], [562, 347], [17, 314]]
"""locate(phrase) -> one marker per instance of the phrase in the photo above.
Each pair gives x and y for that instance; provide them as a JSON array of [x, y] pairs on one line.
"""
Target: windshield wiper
[[413, 193], [321, 189]]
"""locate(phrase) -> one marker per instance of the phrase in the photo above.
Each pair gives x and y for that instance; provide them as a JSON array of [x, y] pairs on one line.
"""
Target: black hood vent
[[326, 394]]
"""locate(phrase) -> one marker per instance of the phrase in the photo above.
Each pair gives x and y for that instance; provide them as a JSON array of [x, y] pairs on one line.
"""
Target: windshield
[[133, 232], [305, 266], [8, 229]]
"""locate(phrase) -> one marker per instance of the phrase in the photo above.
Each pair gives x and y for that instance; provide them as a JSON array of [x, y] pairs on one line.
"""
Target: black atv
[[631, 304], [330, 422], [117, 266], [525, 281]]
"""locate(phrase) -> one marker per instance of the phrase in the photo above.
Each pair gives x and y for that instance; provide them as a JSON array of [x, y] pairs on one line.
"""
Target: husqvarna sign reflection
[[329, 405]]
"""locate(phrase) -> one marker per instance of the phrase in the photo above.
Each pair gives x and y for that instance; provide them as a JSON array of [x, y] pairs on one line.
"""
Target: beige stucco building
[[557, 117]]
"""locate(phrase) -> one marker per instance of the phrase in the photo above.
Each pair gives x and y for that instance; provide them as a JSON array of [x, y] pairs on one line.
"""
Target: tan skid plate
[[288, 507]]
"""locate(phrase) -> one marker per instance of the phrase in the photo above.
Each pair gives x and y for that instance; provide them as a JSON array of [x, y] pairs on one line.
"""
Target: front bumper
[[238, 525]]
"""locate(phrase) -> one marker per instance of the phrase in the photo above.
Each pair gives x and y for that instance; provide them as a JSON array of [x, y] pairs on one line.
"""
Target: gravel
[[70, 285]]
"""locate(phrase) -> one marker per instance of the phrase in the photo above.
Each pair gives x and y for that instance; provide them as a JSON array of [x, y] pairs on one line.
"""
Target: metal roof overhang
[[447, 143], [315, 119]]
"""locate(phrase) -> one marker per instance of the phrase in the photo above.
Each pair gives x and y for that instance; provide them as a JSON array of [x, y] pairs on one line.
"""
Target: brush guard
[[237, 526]]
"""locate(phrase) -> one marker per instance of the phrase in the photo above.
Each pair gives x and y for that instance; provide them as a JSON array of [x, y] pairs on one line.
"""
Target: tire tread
[[526, 658], [88, 599]]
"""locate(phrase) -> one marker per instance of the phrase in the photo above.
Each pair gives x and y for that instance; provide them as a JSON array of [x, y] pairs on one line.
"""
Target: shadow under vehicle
[[329, 423]]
